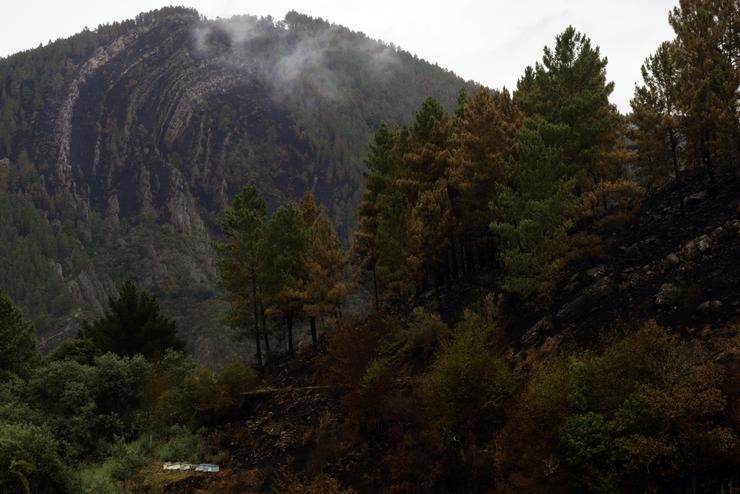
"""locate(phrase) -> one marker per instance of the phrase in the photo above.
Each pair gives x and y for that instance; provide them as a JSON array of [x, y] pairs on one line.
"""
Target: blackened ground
[[678, 266]]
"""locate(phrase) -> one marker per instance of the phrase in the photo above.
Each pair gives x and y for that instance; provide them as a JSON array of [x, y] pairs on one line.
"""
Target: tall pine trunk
[[289, 321], [257, 342], [264, 331], [314, 337], [375, 287]]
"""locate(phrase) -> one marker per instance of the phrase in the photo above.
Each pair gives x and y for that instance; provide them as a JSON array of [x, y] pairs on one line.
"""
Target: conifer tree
[[382, 163], [569, 93], [239, 259], [324, 262], [656, 116], [532, 213], [282, 250], [133, 325], [708, 53], [482, 139]]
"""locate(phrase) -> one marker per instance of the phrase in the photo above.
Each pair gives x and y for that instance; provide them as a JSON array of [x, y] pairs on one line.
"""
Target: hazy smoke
[[291, 59]]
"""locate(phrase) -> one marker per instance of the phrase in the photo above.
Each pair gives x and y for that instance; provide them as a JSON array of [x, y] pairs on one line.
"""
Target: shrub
[[38, 447], [468, 385]]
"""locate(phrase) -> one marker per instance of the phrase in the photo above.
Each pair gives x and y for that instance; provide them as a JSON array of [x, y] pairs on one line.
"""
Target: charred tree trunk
[[256, 328], [375, 288], [289, 321], [314, 337], [264, 331], [706, 155]]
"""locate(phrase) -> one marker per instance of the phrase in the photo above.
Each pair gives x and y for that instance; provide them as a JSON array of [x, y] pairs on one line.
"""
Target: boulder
[[667, 295], [672, 259], [719, 234], [587, 301], [703, 243], [709, 305], [732, 227], [695, 199], [596, 272], [537, 333], [690, 250]]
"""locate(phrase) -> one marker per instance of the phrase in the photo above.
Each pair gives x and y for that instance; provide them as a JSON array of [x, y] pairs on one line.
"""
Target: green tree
[[133, 325], [17, 340], [569, 92], [532, 213], [656, 117], [381, 168], [239, 259], [283, 249]]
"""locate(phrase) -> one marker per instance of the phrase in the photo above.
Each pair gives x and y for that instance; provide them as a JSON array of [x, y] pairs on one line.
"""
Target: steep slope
[[121, 146]]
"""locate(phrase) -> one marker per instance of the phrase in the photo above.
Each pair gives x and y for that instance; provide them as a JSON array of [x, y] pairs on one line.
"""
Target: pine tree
[[382, 163], [133, 325], [532, 213], [708, 54], [570, 94], [482, 139], [324, 262], [239, 259], [656, 117], [282, 251]]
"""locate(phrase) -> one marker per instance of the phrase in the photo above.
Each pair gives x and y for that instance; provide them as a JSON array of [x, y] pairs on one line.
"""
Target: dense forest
[[550, 292]]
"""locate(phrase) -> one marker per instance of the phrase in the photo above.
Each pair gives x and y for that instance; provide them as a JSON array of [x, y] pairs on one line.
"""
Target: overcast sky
[[489, 41]]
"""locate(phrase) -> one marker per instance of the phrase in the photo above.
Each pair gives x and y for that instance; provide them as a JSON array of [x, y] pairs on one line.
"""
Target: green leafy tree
[[17, 340], [133, 325]]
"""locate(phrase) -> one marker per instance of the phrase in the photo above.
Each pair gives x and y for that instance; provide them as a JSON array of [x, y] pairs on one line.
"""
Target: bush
[[468, 385], [86, 405], [181, 393], [38, 447], [649, 413]]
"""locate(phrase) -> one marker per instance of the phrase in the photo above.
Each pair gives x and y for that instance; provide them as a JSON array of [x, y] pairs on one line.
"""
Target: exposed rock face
[[155, 124]]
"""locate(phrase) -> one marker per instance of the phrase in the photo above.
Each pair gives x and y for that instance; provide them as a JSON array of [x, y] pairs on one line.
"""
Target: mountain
[[121, 146]]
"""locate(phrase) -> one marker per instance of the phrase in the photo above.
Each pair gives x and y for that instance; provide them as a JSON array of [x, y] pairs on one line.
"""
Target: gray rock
[[732, 227], [672, 259], [709, 305], [537, 333], [690, 250], [587, 301], [703, 243], [667, 295], [719, 234], [695, 199], [596, 271]]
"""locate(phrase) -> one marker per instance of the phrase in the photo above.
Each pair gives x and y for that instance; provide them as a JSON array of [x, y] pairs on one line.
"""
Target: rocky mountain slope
[[119, 148]]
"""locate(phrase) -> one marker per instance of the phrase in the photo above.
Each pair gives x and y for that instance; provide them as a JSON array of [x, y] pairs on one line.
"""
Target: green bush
[[37, 446], [468, 385]]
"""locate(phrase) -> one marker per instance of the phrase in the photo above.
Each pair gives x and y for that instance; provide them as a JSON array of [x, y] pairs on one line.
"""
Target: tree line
[[534, 179]]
